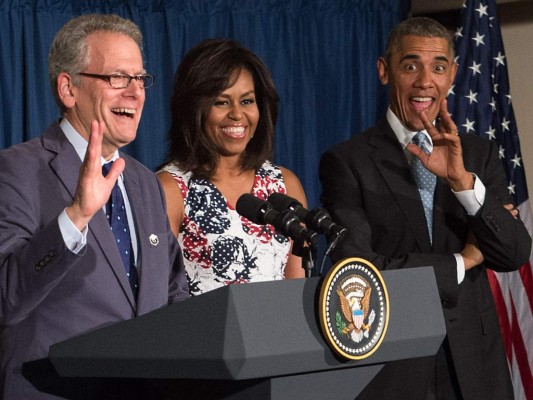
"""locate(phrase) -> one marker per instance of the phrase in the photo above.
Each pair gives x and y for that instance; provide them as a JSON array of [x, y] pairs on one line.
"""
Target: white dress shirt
[[74, 239], [471, 200]]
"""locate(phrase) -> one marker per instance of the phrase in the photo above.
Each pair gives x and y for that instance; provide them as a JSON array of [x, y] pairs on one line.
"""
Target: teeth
[[129, 111], [234, 130], [422, 99]]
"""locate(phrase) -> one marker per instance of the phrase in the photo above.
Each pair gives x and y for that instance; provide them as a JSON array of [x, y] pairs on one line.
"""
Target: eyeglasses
[[121, 81]]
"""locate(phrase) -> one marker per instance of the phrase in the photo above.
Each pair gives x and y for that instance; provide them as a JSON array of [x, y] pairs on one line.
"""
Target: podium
[[255, 341]]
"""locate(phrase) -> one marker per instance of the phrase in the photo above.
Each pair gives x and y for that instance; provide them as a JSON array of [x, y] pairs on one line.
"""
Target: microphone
[[316, 219], [260, 212]]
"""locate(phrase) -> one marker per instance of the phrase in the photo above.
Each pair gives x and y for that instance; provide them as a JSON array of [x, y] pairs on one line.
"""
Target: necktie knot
[[421, 140], [106, 168]]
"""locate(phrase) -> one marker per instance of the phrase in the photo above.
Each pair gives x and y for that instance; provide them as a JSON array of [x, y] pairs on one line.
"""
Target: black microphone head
[[282, 202], [256, 210]]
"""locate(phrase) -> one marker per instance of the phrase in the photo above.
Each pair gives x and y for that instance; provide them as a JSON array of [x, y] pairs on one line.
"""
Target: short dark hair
[[417, 26], [207, 70]]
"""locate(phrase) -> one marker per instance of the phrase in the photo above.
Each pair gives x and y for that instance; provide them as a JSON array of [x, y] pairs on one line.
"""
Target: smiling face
[[233, 117], [419, 75], [94, 99]]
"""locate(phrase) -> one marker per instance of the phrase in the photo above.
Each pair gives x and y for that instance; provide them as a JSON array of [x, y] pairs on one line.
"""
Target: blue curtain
[[322, 54]]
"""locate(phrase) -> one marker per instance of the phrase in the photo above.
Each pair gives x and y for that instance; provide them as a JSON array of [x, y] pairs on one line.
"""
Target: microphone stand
[[308, 264], [308, 260], [307, 253]]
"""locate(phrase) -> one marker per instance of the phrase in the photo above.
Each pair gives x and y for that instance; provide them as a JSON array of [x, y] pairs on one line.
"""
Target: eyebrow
[[417, 57], [123, 72], [242, 95]]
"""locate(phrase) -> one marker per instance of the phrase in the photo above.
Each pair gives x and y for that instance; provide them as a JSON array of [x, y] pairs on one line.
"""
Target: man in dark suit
[[368, 186], [61, 273]]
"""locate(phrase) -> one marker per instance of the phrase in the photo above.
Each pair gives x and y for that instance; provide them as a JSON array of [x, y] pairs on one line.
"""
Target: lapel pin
[[154, 240]]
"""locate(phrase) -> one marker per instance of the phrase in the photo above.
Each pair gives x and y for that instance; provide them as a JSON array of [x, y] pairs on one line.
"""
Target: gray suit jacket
[[368, 187], [49, 294]]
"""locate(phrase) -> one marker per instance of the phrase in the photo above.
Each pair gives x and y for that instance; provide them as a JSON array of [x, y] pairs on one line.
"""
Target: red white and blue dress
[[219, 246]]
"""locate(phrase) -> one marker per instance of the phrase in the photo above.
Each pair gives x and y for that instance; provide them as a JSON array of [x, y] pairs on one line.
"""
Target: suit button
[[493, 223]]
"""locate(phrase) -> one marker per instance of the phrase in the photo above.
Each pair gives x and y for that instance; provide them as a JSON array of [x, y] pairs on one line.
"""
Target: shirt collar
[[78, 142], [403, 134]]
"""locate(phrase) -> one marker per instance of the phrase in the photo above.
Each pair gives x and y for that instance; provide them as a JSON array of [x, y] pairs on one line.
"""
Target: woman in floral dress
[[224, 109]]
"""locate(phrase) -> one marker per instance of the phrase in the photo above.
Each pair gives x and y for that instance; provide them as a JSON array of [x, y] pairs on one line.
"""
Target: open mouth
[[421, 103], [235, 132], [126, 112]]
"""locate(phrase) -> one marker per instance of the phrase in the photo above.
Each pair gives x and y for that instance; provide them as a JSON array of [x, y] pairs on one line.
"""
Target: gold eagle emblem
[[354, 297]]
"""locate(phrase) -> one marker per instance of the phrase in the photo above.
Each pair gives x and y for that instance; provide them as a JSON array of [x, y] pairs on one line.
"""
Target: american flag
[[480, 103]]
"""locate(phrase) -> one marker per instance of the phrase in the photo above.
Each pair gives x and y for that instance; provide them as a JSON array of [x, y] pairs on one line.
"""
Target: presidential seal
[[354, 308]]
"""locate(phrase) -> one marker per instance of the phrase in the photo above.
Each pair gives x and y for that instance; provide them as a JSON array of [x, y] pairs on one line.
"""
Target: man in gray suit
[[61, 273]]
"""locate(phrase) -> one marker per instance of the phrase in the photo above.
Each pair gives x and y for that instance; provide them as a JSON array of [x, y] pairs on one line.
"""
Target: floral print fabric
[[219, 246]]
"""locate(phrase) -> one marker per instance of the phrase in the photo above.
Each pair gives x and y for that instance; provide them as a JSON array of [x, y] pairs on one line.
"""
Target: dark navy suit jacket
[[368, 188]]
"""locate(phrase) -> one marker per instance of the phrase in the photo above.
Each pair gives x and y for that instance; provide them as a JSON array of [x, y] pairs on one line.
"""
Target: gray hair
[[70, 51], [417, 26]]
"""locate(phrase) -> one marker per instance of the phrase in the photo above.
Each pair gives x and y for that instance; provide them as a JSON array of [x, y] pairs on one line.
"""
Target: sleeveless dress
[[219, 246]]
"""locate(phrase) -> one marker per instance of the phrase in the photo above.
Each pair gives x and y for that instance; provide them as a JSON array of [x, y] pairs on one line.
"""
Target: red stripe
[[521, 356], [527, 280], [505, 324]]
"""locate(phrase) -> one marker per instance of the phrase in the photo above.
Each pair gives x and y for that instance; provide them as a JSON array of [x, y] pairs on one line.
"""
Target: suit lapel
[[137, 204], [66, 160], [102, 234], [392, 164]]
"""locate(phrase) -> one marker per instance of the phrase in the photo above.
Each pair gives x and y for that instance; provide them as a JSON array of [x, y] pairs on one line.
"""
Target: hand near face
[[93, 189], [446, 159]]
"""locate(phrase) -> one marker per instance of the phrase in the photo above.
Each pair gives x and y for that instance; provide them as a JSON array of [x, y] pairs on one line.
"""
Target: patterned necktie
[[425, 181], [118, 219]]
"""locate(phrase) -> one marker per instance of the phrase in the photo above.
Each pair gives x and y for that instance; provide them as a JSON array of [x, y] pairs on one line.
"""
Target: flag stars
[[478, 39], [492, 104], [469, 125], [500, 59], [501, 152], [472, 97], [491, 133], [516, 161], [476, 68], [481, 92], [505, 124], [482, 10], [450, 90]]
